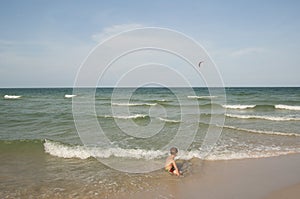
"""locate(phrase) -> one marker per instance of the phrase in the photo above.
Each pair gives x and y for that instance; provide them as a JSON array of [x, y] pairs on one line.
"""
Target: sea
[[47, 150]]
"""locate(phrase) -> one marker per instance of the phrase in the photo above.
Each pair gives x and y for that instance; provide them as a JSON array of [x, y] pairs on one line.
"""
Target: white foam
[[238, 106], [83, 152], [136, 116], [134, 104], [260, 152], [200, 97], [12, 96], [287, 107], [168, 120], [263, 132], [162, 100], [188, 155], [272, 118], [248, 155], [69, 96]]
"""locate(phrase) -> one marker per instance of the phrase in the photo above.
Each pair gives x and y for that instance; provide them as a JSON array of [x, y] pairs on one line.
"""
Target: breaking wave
[[12, 96], [82, 152], [262, 132], [272, 118], [278, 106], [201, 97], [287, 107], [134, 104], [136, 116], [168, 120], [238, 106], [69, 96]]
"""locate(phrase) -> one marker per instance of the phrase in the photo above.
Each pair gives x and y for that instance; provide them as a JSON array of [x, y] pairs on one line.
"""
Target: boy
[[170, 165]]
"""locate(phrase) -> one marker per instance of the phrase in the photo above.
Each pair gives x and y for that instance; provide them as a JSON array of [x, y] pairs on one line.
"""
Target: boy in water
[[170, 165]]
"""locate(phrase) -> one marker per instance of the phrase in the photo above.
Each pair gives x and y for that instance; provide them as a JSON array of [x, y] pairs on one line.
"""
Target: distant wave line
[[278, 106], [136, 116], [238, 106], [272, 118], [69, 96], [12, 96], [134, 104], [201, 97], [169, 120], [262, 132]]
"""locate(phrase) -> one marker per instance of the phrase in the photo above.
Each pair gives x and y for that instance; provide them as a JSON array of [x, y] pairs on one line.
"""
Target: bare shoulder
[[169, 161]]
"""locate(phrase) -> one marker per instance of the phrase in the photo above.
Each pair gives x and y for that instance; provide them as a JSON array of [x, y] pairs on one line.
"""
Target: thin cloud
[[247, 51], [112, 30]]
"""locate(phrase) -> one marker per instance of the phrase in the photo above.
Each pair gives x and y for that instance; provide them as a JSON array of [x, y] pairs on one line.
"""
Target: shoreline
[[246, 178], [47, 176]]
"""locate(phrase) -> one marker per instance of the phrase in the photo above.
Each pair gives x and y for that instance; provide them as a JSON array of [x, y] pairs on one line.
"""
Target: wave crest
[[12, 96], [136, 116], [201, 97], [82, 152], [287, 107], [262, 132], [168, 120], [272, 118], [238, 106], [134, 104], [69, 96]]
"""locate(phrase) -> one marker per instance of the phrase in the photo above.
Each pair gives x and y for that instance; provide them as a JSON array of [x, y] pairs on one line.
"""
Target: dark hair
[[173, 150]]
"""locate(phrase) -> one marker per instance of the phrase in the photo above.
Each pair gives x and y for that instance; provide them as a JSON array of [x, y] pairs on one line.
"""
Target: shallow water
[[41, 151]]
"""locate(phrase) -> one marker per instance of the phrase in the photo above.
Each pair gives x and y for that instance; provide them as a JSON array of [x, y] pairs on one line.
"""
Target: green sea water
[[41, 146]]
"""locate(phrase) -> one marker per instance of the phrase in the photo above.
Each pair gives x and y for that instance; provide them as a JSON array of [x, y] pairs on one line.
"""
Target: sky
[[252, 43]]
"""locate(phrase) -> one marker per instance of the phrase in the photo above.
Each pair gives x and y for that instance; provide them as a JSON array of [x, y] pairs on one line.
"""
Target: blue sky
[[253, 43]]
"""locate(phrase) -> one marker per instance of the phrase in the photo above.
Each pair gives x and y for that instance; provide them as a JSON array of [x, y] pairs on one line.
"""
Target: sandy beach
[[263, 178], [275, 177], [24, 174], [291, 192]]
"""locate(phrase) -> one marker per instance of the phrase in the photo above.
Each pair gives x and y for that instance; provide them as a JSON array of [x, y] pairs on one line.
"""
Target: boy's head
[[173, 151]]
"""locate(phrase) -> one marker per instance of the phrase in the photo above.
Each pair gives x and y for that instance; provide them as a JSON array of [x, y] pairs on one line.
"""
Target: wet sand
[[292, 192], [264, 178]]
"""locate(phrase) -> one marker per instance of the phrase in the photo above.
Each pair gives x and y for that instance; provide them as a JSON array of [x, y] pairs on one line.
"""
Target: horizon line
[[72, 87]]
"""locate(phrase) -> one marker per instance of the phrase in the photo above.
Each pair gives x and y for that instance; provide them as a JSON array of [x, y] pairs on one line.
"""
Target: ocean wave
[[136, 116], [262, 132], [69, 96], [272, 118], [264, 107], [158, 101], [250, 154], [134, 104], [200, 97], [12, 96], [168, 120], [210, 105], [82, 152], [162, 100], [287, 107], [238, 106]]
